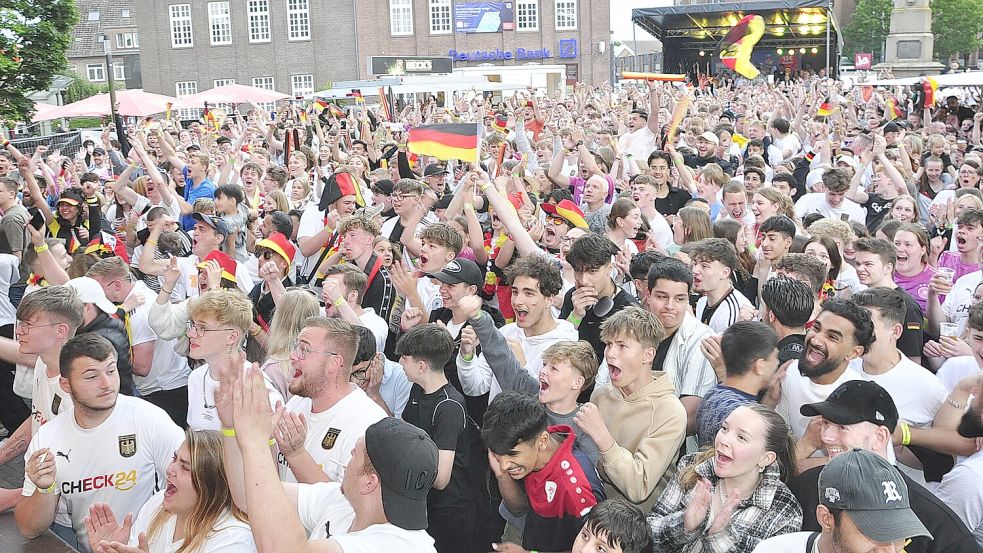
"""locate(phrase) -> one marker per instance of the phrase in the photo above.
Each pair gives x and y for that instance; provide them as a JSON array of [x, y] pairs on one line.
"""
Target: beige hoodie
[[648, 428]]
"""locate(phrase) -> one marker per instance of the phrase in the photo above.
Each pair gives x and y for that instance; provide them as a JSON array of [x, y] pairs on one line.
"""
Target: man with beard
[[336, 411], [865, 507], [706, 153], [108, 448], [861, 415], [842, 332]]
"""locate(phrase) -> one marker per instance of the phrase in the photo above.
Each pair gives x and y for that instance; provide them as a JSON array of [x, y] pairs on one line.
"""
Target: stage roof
[[799, 21]]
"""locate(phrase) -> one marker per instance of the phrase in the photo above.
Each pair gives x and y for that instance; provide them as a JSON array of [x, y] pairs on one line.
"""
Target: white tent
[[972, 78], [414, 85]]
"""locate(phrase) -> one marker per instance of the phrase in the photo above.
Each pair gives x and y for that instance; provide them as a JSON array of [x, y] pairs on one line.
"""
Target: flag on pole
[[892, 111], [384, 104], [930, 86], [450, 141], [357, 94], [825, 108], [735, 49]]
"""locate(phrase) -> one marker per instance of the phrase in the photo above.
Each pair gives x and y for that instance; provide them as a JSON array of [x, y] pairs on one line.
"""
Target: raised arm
[[523, 241], [655, 93]]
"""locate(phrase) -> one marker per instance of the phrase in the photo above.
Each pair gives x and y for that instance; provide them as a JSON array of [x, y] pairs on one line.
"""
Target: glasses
[[27, 327], [361, 374], [557, 221], [303, 351], [199, 329]]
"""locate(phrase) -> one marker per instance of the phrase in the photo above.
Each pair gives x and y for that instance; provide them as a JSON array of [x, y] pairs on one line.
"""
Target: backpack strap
[[811, 541]]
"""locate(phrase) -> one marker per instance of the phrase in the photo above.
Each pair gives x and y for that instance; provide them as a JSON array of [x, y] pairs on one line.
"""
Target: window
[[186, 88], [181, 26], [119, 71], [222, 82], [127, 41], [298, 20], [566, 15], [219, 23], [401, 17], [440, 17], [124, 13], [96, 73], [266, 83], [302, 85], [527, 15], [93, 16], [259, 20]]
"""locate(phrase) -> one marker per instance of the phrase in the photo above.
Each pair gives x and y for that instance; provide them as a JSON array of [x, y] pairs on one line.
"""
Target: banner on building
[[409, 65], [484, 17]]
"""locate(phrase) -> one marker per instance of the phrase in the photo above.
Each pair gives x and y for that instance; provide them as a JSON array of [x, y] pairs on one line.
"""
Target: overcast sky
[[621, 17]]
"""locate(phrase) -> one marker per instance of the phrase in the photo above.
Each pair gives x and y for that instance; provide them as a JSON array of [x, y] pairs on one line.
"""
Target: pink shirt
[[951, 260], [916, 285]]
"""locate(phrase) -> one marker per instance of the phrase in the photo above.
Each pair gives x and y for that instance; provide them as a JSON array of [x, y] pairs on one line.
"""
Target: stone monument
[[910, 43]]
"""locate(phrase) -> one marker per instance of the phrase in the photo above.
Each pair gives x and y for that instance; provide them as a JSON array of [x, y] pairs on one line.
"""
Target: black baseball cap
[[405, 458], [856, 401], [434, 169], [384, 186], [891, 127], [215, 222], [460, 270]]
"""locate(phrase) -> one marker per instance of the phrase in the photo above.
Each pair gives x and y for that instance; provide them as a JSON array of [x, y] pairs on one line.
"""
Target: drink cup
[[947, 272], [950, 330]]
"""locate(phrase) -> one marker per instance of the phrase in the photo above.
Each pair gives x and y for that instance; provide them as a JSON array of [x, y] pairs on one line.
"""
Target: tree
[[868, 28], [35, 37], [957, 25], [81, 88]]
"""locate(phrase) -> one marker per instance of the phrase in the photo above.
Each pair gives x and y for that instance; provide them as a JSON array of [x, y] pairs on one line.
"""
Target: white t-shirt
[[960, 299], [324, 511], [640, 143], [798, 390], [47, 397], [956, 369], [119, 462], [311, 223], [201, 398], [395, 387], [776, 151], [960, 489], [187, 285], [727, 313], [378, 326], [815, 202], [331, 434], [661, 230], [917, 393], [386, 537], [787, 543], [429, 294], [390, 224], [168, 370], [229, 535]]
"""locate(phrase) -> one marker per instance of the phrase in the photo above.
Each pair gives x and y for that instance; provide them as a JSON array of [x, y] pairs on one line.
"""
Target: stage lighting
[[702, 53], [780, 51], [802, 50], [815, 50]]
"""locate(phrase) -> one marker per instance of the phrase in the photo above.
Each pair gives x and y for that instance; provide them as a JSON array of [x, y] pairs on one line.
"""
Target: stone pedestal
[[909, 51]]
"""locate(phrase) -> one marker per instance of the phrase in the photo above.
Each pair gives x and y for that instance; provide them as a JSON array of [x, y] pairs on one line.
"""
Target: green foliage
[[35, 37], [957, 25], [85, 123], [81, 88], [869, 27]]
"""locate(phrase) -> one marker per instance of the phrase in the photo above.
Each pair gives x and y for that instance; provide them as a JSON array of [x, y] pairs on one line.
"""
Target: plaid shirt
[[771, 511]]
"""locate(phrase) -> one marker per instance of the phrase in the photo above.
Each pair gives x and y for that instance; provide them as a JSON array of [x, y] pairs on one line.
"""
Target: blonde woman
[[691, 224], [276, 201], [295, 307], [767, 202], [300, 193], [193, 513]]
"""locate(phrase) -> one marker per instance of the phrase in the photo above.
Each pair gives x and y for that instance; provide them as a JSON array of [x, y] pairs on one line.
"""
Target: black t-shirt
[[263, 304], [910, 343], [674, 201], [791, 347], [877, 208], [443, 417], [380, 294], [662, 351], [949, 531], [590, 327]]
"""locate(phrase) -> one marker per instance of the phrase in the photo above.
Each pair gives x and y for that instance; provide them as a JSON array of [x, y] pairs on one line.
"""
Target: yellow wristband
[[50, 488], [271, 442], [151, 242], [485, 186], [338, 302], [469, 205], [905, 433], [230, 432], [41, 249]]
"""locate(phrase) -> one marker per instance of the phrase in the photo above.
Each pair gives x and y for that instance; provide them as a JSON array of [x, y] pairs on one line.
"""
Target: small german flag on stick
[[445, 142], [825, 109]]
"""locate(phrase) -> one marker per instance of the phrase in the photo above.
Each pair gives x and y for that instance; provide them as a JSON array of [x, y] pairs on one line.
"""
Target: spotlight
[[702, 53], [815, 50], [780, 51], [802, 50]]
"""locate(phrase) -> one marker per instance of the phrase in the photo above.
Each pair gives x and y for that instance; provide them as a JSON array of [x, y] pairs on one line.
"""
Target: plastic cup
[[950, 330], [947, 272]]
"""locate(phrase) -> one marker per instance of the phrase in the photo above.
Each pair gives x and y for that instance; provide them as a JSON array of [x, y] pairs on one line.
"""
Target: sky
[[621, 17]]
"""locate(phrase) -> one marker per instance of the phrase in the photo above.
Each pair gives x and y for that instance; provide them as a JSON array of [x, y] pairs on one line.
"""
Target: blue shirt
[[191, 193], [716, 405]]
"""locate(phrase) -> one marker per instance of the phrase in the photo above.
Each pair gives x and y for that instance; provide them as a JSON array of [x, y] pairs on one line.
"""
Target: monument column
[[910, 44]]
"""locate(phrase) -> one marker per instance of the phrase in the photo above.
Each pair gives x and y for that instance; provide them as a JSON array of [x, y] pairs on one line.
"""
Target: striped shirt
[[727, 311]]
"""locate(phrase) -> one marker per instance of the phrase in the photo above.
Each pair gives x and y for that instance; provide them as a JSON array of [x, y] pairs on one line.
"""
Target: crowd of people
[[647, 318]]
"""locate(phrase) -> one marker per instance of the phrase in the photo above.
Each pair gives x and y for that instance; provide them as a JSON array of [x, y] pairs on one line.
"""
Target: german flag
[[357, 94], [825, 109], [444, 142], [892, 111], [735, 49], [929, 86], [384, 104]]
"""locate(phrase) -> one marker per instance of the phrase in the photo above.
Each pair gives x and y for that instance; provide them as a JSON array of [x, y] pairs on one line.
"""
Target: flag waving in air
[[452, 141], [735, 49]]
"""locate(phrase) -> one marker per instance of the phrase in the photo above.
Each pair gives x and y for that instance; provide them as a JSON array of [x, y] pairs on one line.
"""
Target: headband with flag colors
[[227, 264], [568, 211], [278, 243], [107, 245], [735, 49], [451, 141], [930, 86], [337, 186], [825, 108]]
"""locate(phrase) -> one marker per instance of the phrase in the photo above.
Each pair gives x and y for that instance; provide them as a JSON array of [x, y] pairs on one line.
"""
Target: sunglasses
[[557, 221]]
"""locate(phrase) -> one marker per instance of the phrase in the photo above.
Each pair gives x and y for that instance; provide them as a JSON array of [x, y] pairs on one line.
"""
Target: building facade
[[495, 39], [292, 46], [115, 22]]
